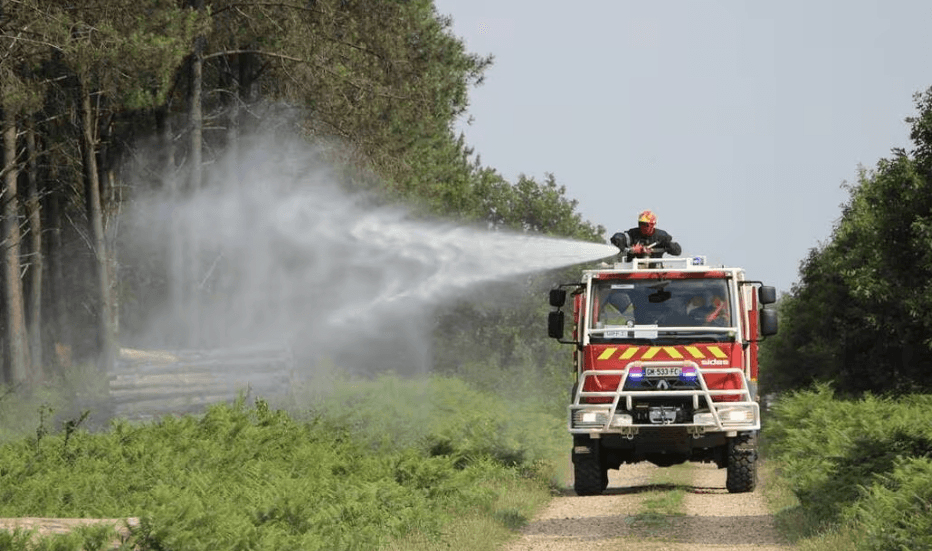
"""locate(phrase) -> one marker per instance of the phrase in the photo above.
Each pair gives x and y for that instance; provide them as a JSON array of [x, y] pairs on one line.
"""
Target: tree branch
[[301, 60], [268, 5], [20, 38], [257, 52]]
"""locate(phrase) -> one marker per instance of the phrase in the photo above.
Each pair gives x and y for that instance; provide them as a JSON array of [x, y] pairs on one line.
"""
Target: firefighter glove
[[638, 249]]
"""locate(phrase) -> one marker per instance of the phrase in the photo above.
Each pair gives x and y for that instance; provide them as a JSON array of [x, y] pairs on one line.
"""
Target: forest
[[107, 104]]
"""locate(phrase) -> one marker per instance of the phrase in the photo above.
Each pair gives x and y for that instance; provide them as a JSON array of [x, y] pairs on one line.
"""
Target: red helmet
[[646, 221]]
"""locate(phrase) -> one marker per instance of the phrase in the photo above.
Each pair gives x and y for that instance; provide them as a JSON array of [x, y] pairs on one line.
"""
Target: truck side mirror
[[768, 322], [555, 324], [557, 298], [766, 294]]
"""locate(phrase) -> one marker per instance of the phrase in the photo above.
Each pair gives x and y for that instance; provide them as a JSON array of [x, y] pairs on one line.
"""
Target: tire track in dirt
[[715, 519], [712, 519], [574, 523]]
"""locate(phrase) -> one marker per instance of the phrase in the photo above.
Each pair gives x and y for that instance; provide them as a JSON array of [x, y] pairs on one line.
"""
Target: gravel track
[[712, 520]]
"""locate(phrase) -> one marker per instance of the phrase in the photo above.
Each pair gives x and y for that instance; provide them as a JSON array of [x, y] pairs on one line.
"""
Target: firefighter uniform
[[663, 242]]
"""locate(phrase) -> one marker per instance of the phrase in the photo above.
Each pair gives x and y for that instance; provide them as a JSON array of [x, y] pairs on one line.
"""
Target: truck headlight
[[736, 414], [703, 419], [587, 418], [622, 420]]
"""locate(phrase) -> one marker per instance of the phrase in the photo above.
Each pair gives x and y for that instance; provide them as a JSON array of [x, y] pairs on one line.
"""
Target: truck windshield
[[686, 303]]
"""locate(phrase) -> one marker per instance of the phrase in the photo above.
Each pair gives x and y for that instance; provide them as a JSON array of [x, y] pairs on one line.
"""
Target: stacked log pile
[[148, 384]]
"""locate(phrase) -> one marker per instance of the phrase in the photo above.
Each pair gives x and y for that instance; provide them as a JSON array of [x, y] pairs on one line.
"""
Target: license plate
[[663, 371]]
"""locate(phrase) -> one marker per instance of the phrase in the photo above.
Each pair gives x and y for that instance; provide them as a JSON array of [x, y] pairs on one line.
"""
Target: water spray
[[285, 257]]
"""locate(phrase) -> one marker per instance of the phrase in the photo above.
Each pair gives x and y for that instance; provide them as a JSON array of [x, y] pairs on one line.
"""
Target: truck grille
[[674, 383]]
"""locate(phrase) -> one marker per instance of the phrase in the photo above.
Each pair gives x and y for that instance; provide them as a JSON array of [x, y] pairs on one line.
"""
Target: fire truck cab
[[666, 367]]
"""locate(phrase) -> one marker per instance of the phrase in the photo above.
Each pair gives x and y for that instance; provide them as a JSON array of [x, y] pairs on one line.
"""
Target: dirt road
[[711, 519]]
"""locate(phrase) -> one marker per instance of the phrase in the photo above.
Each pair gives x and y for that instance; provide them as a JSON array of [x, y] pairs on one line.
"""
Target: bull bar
[[597, 418]]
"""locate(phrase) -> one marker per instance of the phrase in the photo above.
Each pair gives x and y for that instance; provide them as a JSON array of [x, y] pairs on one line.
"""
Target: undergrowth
[[377, 462], [63, 396], [856, 467]]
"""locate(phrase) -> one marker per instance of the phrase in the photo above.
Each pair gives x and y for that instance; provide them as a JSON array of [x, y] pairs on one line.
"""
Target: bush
[[47, 404], [896, 511], [373, 463], [845, 458], [446, 416]]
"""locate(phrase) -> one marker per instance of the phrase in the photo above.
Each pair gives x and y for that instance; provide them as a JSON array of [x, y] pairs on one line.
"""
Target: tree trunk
[[196, 109], [106, 325], [55, 258], [17, 369], [109, 197], [34, 217], [194, 184], [229, 82], [175, 276]]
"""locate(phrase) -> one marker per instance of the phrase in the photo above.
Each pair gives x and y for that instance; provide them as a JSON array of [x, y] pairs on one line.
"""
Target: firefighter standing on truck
[[646, 240]]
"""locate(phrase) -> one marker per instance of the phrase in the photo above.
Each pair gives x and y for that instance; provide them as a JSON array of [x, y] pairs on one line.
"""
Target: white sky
[[736, 121]]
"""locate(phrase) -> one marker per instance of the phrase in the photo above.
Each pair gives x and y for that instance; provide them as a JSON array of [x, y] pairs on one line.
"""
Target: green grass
[[662, 504], [794, 523], [513, 509], [384, 463]]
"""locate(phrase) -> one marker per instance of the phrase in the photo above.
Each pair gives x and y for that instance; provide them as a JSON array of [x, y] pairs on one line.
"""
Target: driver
[[646, 240], [711, 311], [698, 301]]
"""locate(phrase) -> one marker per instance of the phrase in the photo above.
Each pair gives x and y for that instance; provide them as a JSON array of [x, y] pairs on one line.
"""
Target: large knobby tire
[[742, 463], [590, 474]]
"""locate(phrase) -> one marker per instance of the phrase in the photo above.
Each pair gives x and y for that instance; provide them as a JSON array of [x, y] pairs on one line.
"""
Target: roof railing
[[669, 263]]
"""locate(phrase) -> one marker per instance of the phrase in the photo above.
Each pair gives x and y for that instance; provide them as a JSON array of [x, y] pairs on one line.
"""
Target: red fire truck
[[666, 367]]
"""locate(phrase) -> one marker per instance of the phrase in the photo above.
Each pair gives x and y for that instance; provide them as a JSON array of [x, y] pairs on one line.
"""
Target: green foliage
[[82, 538], [376, 461], [445, 416], [389, 80], [534, 207], [127, 49], [43, 408], [20, 92], [864, 462], [896, 512], [498, 341], [861, 315], [15, 540]]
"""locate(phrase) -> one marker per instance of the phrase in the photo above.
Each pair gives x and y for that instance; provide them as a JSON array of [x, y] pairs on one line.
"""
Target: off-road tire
[[742, 463], [590, 474]]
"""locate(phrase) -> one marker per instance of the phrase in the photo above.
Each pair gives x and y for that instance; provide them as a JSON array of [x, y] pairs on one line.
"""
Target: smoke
[[275, 252]]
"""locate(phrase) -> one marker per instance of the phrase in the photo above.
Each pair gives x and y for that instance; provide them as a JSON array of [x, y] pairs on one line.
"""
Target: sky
[[736, 121]]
